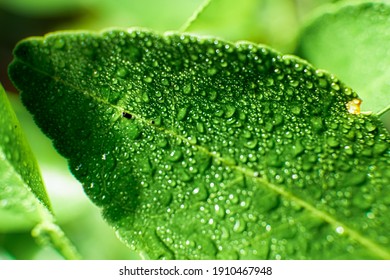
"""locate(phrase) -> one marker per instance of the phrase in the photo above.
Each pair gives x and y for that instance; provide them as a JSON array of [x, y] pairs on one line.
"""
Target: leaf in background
[[265, 21], [43, 7], [353, 42], [18, 163], [161, 15], [23, 199], [271, 22], [199, 148]]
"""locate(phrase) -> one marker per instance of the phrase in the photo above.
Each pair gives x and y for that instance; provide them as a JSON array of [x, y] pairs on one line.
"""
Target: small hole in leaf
[[152, 122], [127, 115]]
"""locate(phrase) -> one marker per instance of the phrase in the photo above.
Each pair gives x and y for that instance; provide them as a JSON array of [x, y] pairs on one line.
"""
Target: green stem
[[50, 233], [194, 16], [383, 111]]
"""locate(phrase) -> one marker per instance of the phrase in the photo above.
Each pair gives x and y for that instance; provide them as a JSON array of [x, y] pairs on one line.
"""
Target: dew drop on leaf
[[239, 226], [175, 155], [59, 43], [121, 72], [200, 193], [256, 153], [182, 113]]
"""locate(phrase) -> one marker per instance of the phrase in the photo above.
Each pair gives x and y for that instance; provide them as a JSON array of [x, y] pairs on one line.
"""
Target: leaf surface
[[21, 191], [352, 41], [196, 148], [24, 203]]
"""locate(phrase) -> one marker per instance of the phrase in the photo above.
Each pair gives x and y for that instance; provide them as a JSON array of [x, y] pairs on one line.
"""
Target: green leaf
[[20, 174], [24, 203], [196, 148], [352, 41], [160, 15], [252, 20]]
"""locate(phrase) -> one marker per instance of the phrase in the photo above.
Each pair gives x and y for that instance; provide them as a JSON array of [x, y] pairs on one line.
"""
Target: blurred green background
[[272, 22]]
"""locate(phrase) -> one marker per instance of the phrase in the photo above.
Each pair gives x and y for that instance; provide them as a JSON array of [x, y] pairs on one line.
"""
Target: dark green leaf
[[353, 41], [199, 148]]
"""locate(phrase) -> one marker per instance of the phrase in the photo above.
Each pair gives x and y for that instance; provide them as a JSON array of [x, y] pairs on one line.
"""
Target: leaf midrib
[[369, 244]]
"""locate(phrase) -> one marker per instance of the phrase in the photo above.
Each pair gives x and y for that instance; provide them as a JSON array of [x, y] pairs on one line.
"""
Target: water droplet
[[121, 72], [278, 119], [296, 110], [175, 155], [251, 144], [332, 141], [243, 158], [340, 230], [230, 110], [184, 176], [165, 82], [348, 150], [162, 142], [370, 126], [187, 89], [380, 148], [370, 215], [59, 43], [298, 148], [148, 79], [192, 140], [239, 226], [294, 83], [273, 160], [213, 95], [323, 83], [200, 127], [166, 198], [200, 193], [182, 113], [133, 131], [317, 123], [219, 211], [158, 121], [347, 91], [211, 71], [146, 166], [270, 82], [335, 86], [145, 97]]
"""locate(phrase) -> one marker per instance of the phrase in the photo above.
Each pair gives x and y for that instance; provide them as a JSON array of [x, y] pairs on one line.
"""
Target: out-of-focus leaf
[[265, 21], [44, 7], [21, 184], [353, 41], [23, 199], [161, 15], [199, 148]]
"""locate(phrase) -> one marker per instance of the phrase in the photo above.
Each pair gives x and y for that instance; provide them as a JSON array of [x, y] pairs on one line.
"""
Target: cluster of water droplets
[[187, 136]]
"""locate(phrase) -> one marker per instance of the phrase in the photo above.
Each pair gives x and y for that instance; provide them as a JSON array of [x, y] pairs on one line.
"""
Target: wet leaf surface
[[196, 148]]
